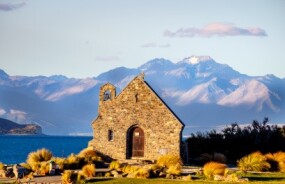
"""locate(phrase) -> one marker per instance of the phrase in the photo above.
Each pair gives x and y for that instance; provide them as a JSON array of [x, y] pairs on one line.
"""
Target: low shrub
[[174, 170], [68, 177], [134, 169], [141, 173], [211, 169], [127, 169], [72, 162], [39, 156], [168, 160], [89, 155], [87, 152], [72, 158], [114, 165], [170, 165], [253, 162], [276, 161], [35, 158], [44, 168], [88, 170], [59, 161], [1, 166], [155, 170]]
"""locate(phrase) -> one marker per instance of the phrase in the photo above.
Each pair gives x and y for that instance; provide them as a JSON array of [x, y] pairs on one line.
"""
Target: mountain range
[[202, 92]]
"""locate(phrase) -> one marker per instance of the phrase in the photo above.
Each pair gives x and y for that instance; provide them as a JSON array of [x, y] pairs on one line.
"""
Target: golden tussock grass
[[211, 169], [88, 170], [168, 160], [253, 162]]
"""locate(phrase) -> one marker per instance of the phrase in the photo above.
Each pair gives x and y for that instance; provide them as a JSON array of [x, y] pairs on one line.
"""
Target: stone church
[[135, 124]]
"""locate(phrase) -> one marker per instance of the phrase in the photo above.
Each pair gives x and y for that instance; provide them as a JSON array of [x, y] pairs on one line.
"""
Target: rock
[[187, 178], [131, 175], [219, 178], [114, 172], [162, 174], [232, 177], [243, 180], [2, 174], [118, 176]]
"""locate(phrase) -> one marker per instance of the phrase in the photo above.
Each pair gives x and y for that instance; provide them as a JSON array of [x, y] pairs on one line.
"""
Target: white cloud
[[81, 134], [17, 116], [216, 29], [2, 112], [10, 6], [83, 85], [153, 45]]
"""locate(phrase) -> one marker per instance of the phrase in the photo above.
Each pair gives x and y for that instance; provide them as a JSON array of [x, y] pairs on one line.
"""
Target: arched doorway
[[135, 142]]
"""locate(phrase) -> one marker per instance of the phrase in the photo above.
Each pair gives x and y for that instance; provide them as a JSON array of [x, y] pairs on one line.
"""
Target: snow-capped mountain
[[203, 93]]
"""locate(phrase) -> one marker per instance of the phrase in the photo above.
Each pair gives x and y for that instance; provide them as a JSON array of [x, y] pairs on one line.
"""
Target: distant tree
[[235, 142]]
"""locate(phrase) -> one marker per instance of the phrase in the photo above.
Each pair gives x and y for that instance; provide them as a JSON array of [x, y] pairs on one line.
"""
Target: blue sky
[[83, 38]]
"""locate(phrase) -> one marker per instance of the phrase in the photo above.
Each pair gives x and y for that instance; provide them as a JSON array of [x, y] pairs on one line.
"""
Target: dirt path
[[35, 180]]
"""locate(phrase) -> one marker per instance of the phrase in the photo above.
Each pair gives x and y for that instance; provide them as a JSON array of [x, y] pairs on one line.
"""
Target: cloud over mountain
[[152, 44], [216, 29]]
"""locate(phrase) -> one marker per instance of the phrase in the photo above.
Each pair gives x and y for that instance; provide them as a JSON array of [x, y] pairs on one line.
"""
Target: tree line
[[236, 141]]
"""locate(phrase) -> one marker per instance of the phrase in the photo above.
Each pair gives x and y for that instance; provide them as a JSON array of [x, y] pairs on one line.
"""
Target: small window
[[110, 135], [107, 95], [136, 97]]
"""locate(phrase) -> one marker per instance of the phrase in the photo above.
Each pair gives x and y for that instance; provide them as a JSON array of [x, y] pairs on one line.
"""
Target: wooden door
[[138, 143]]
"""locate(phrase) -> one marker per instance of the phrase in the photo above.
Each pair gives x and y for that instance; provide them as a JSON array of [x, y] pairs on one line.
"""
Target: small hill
[[9, 127]]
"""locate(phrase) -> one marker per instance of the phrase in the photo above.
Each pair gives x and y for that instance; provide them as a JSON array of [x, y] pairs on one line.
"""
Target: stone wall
[[136, 106]]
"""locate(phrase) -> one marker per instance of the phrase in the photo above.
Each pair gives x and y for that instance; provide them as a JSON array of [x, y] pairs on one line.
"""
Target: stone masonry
[[137, 106]]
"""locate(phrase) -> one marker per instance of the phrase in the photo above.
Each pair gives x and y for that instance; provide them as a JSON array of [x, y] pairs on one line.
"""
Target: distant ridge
[[202, 92], [8, 127]]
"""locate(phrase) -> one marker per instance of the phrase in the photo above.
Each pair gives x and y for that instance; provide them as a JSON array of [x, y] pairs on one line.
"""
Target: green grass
[[265, 177], [260, 178]]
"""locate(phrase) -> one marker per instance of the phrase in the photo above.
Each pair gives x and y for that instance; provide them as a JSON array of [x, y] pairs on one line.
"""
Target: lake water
[[15, 149]]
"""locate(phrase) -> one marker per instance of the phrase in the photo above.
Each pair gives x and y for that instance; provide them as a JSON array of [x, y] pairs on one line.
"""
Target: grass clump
[[89, 155], [174, 169], [211, 169], [142, 173], [59, 161], [38, 161], [88, 170], [276, 161], [114, 165], [135, 171], [168, 160], [169, 164], [44, 168], [68, 177], [72, 162], [253, 162], [39, 156], [127, 169], [1, 166]]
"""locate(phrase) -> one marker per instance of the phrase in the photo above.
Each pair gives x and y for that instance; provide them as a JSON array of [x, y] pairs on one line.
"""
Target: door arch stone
[[135, 142]]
